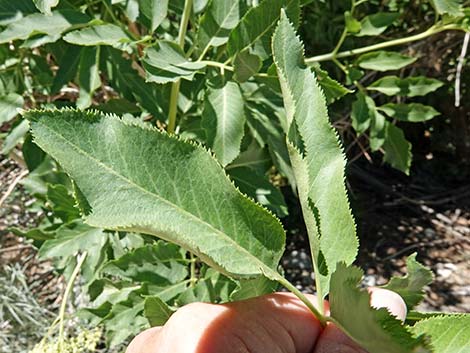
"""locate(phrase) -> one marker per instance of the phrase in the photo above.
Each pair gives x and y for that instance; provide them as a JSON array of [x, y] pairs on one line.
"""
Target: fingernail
[[393, 302]]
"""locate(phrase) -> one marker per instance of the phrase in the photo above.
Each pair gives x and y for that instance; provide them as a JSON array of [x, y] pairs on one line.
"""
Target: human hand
[[274, 323]]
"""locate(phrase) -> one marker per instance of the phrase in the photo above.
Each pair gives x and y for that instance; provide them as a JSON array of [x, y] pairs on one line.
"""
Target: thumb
[[145, 342]]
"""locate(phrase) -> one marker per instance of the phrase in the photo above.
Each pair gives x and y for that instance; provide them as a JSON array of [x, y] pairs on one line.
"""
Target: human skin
[[274, 323]]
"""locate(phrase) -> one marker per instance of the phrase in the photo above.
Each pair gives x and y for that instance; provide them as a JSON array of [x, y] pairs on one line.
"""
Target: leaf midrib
[[198, 220]]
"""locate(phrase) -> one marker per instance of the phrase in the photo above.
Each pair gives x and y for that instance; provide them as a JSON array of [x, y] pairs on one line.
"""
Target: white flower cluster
[[85, 341]]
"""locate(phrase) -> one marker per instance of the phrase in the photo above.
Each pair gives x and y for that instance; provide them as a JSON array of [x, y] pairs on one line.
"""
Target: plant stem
[[304, 300], [394, 42], [192, 269], [216, 64], [68, 289], [175, 88]]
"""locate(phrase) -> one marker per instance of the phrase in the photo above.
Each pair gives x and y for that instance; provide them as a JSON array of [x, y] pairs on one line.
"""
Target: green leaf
[[449, 333], [32, 154], [376, 24], [252, 288], [413, 112], [37, 23], [384, 61], [201, 292], [318, 161], [352, 25], [126, 80], [223, 119], [222, 285], [63, 204], [155, 10], [246, 65], [34, 233], [166, 63], [161, 264], [410, 287], [105, 34], [15, 136], [125, 320], [258, 187], [157, 311], [397, 149], [362, 114], [258, 24], [88, 75], [409, 87], [378, 331], [68, 66], [137, 182], [71, 241], [9, 106], [450, 7], [332, 89], [12, 11], [218, 20], [265, 123], [45, 6], [377, 131]]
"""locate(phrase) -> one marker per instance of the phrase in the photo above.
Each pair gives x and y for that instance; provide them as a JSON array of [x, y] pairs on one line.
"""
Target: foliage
[[244, 111]]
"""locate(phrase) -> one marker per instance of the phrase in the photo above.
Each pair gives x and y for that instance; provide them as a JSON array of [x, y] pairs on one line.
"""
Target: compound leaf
[[317, 159], [138, 179], [378, 332]]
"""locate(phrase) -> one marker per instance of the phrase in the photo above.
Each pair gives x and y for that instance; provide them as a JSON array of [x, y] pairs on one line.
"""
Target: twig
[[461, 61], [12, 186], [14, 248]]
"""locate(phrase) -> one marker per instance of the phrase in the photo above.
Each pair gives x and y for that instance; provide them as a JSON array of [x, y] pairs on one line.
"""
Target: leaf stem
[[175, 88], [216, 64], [323, 320], [192, 269], [394, 42], [68, 289]]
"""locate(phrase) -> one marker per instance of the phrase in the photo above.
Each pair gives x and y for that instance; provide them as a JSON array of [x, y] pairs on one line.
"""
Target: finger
[[145, 342], [384, 298], [333, 340], [274, 323]]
